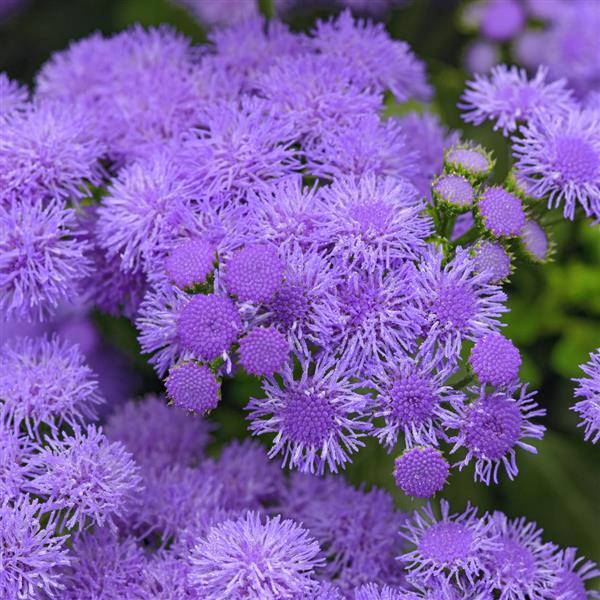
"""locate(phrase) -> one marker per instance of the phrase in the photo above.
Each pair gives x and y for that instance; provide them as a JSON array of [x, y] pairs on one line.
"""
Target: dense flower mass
[[304, 256]]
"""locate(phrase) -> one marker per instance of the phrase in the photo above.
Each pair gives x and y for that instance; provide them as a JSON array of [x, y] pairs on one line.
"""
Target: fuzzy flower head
[[32, 557], [368, 48], [501, 212], [589, 390], [46, 381], [264, 351], [491, 429], [421, 472], [48, 151], [458, 302], [410, 397], [208, 325], [42, 261], [319, 416], [190, 263], [535, 242], [373, 221], [492, 258], [254, 273], [88, 478], [558, 156], [255, 558], [14, 98], [574, 572], [501, 20], [193, 387], [521, 565], [508, 97], [14, 450], [454, 191], [495, 360], [447, 549], [470, 161]]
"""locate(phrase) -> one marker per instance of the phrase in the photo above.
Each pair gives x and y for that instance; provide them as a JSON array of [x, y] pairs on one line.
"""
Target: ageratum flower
[[48, 151], [501, 212], [215, 13], [263, 351], [558, 156], [158, 436], [104, 566], [146, 206], [421, 472], [520, 565], [373, 222], [193, 387], [573, 574], [589, 389], [367, 145], [410, 398], [450, 548], [495, 360], [474, 162], [14, 450], [454, 191], [318, 415], [140, 89], [535, 242], [42, 260], [14, 98], [45, 381], [379, 316], [389, 64], [491, 429], [508, 97], [372, 591], [239, 145], [456, 301], [88, 479], [190, 263], [32, 556], [255, 557], [501, 20], [492, 258]]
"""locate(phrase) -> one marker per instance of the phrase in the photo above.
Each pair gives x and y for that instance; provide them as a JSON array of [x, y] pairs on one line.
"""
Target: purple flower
[[589, 389], [453, 547], [502, 19], [373, 221], [492, 258], [318, 415], [208, 325], [240, 145], [190, 263], [48, 151], [368, 48], [559, 157], [14, 98], [469, 160], [42, 261], [508, 97], [379, 316], [535, 242], [104, 566], [158, 436], [193, 387], [495, 360], [421, 472], [32, 556], [521, 565], [454, 191], [573, 574], [15, 448], [254, 273], [84, 476], [367, 145], [211, 13], [147, 205], [410, 398], [45, 381], [457, 302], [501, 212], [254, 557], [317, 93], [264, 351], [491, 429], [371, 591]]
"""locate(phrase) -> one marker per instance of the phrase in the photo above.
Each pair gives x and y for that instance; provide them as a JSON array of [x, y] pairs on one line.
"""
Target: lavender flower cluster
[[139, 510], [249, 207]]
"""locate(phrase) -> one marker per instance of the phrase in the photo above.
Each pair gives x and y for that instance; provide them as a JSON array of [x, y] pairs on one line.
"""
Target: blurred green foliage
[[555, 308]]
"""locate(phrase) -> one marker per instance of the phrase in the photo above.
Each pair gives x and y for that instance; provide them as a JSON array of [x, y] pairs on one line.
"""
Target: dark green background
[[555, 309]]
